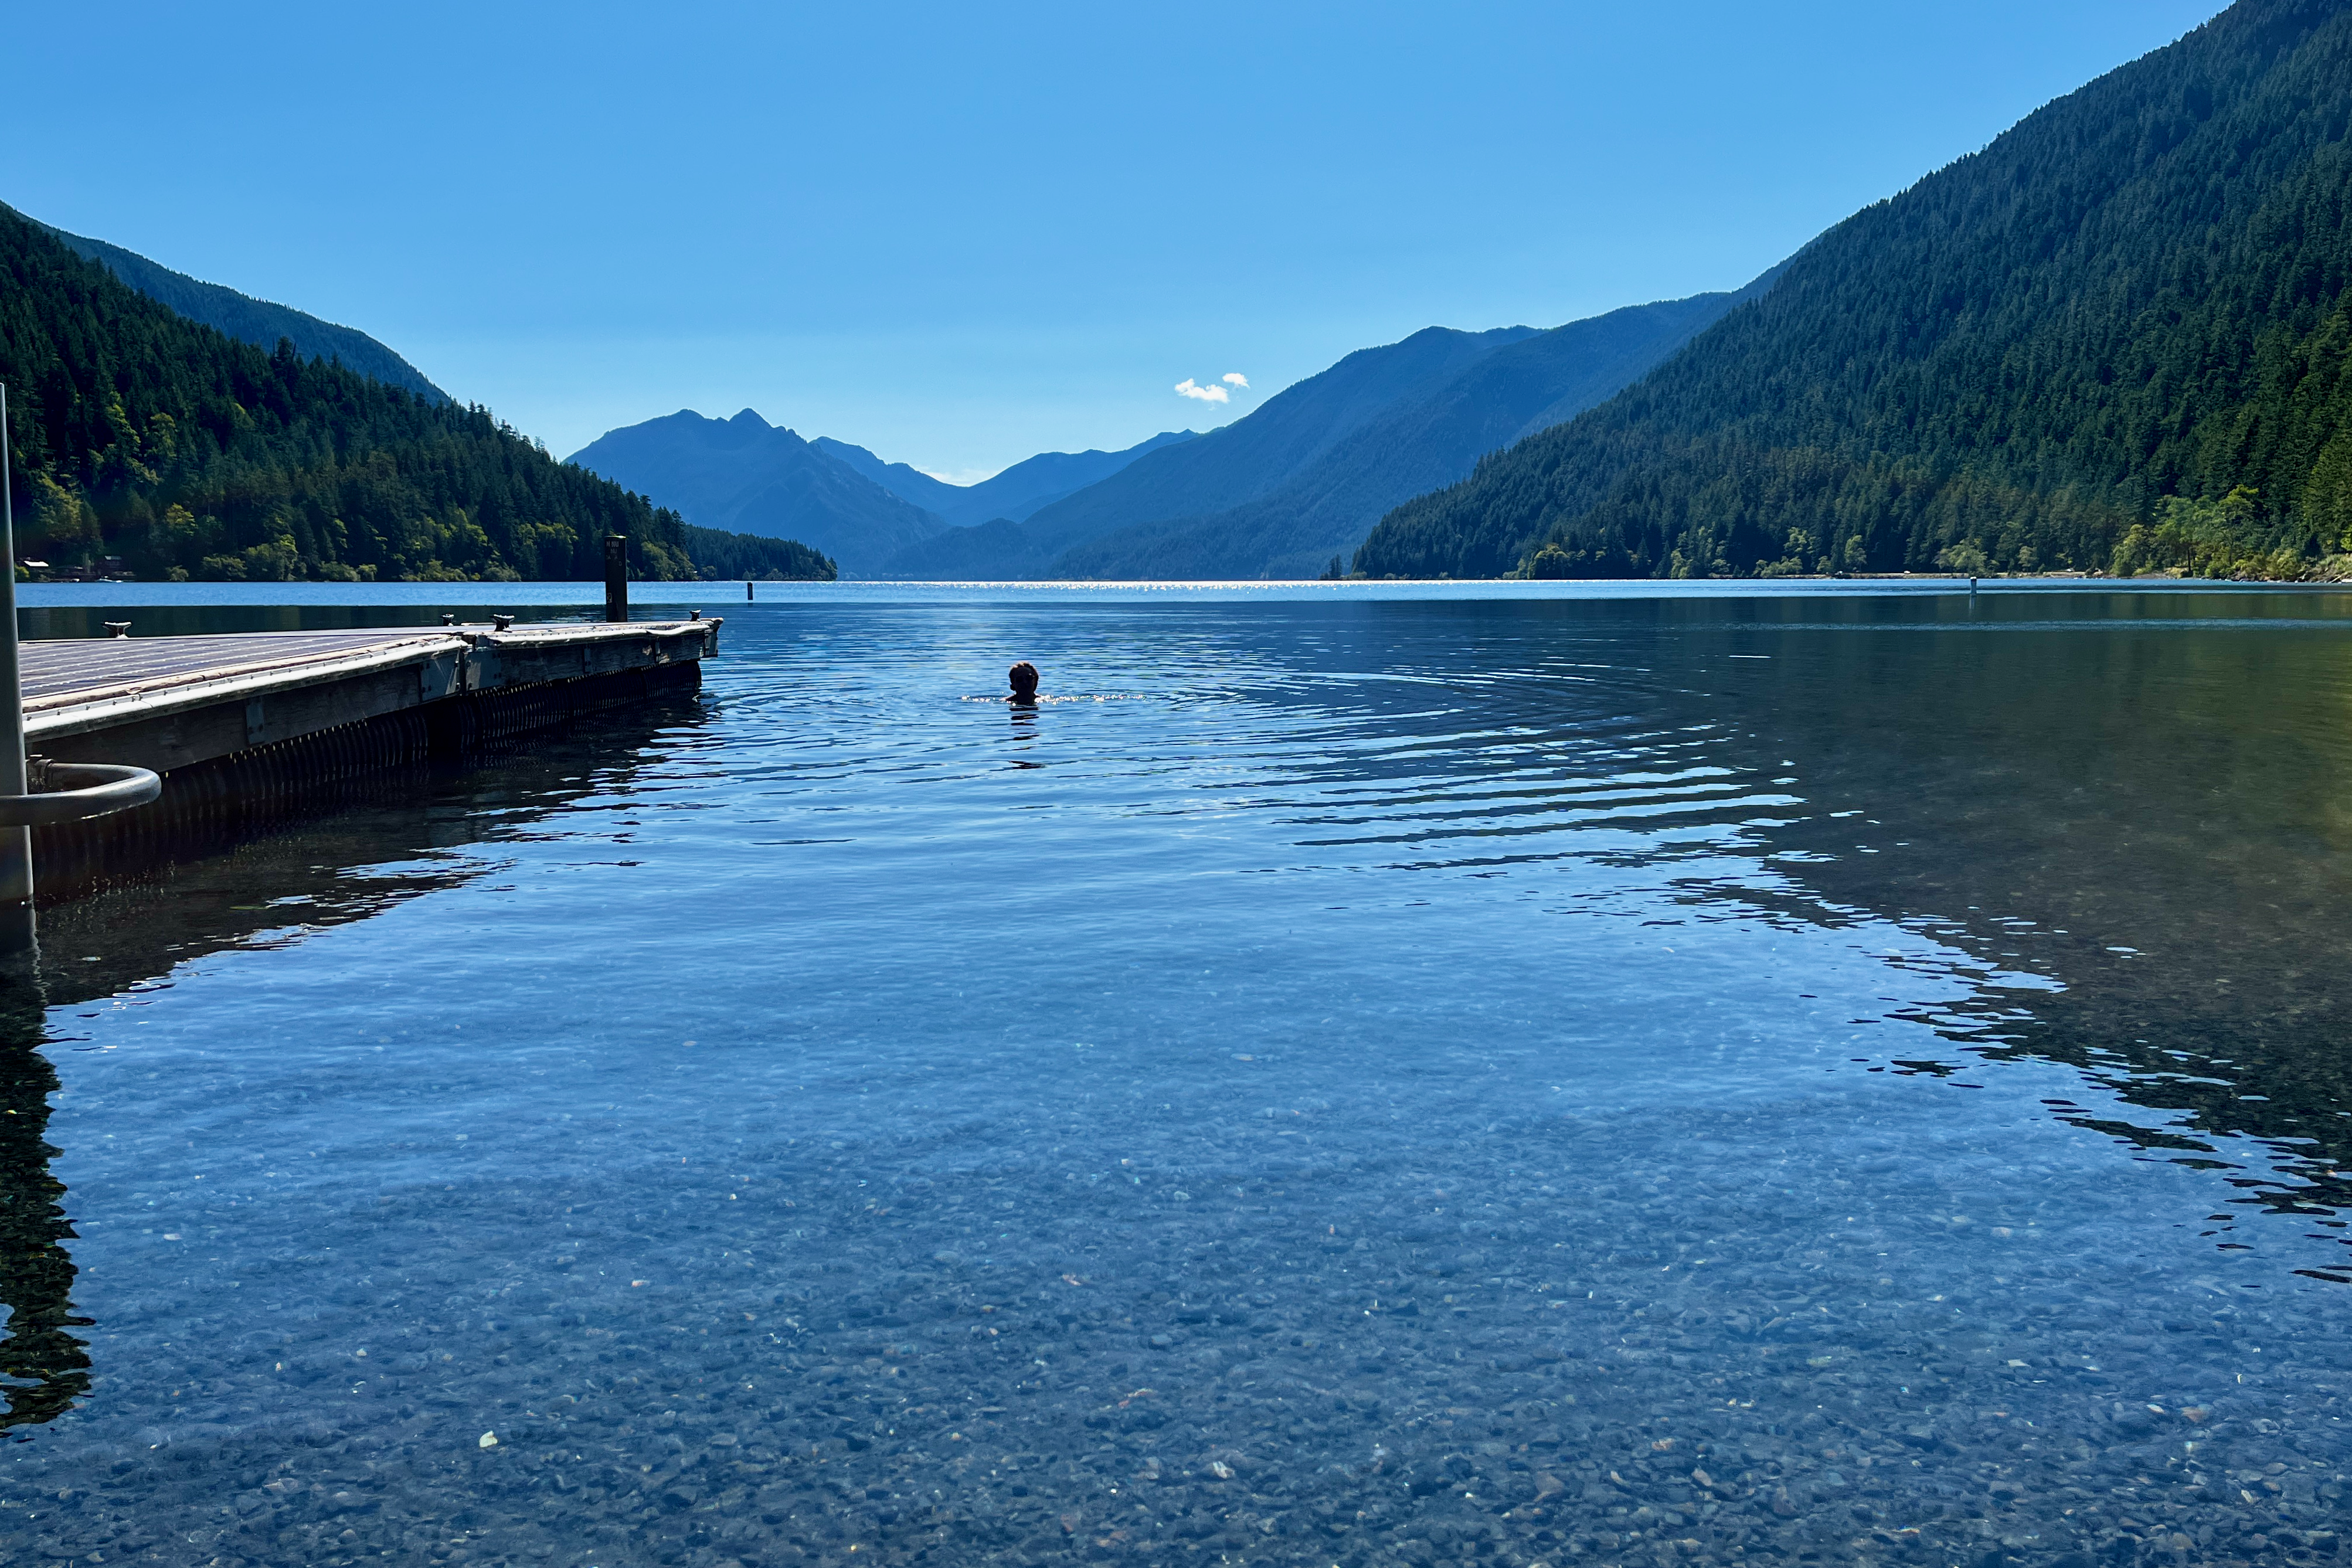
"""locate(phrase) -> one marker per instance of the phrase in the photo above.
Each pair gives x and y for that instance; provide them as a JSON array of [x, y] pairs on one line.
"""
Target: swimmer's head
[[1023, 677]]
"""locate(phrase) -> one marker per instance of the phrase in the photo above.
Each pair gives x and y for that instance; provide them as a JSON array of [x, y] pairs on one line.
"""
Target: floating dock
[[252, 727]]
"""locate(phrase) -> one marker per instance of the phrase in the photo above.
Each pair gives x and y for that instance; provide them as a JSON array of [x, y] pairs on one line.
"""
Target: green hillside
[[137, 433], [2117, 338]]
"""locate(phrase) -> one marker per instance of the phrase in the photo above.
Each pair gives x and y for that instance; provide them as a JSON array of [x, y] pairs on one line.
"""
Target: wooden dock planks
[[254, 731], [171, 702]]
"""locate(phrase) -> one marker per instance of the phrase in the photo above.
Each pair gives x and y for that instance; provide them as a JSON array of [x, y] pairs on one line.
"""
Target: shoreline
[[588, 595]]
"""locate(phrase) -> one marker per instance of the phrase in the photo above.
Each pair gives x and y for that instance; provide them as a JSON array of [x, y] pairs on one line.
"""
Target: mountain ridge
[[743, 474], [746, 476], [1013, 493], [1325, 508], [249, 320], [1239, 462]]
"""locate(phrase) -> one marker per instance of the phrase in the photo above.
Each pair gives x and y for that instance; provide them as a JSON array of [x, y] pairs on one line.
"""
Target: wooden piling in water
[[616, 577]]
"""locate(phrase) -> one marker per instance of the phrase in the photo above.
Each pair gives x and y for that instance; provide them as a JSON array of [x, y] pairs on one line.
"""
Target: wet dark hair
[[1023, 677]]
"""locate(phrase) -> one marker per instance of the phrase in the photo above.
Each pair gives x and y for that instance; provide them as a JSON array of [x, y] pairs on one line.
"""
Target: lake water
[[1359, 1077]]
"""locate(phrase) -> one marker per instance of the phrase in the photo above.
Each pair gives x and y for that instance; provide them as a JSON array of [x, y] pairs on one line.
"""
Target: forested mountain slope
[[251, 321], [1421, 442], [748, 475], [1014, 492], [2116, 337], [137, 433]]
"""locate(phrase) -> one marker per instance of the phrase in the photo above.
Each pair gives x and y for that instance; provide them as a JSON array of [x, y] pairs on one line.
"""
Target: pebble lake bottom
[[1350, 1080]]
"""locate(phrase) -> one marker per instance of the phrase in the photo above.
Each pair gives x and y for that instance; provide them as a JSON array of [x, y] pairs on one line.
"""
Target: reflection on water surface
[[1696, 1079], [387, 839]]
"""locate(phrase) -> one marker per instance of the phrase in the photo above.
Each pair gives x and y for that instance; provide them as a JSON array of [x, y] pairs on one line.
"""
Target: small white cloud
[[1235, 379], [1192, 389]]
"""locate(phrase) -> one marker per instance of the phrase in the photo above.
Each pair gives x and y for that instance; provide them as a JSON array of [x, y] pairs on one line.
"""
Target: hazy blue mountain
[[984, 550], [749, 476], [1034, 483], [903, 480], [1419, 443], [1015, 493], [1277, 493], [251, 321], [1256, 454]]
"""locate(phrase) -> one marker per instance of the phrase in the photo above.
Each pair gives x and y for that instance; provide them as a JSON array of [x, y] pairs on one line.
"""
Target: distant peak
[[750, 416]]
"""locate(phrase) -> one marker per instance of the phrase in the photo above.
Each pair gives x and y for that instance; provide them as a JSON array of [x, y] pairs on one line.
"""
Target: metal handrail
[[95, 790]]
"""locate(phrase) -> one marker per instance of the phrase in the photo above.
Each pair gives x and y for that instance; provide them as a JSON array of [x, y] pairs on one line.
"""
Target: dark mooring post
[[616, 577], [15, 843]]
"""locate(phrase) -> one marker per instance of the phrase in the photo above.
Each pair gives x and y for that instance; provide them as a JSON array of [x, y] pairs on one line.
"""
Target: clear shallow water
[[1360, 1080]]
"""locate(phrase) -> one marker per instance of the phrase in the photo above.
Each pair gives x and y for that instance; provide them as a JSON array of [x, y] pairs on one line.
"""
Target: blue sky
[[960, 235]]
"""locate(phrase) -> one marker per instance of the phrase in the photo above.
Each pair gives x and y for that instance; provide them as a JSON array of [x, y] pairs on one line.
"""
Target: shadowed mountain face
[[1013, 494], [1303, 478], [251, 321], [985, 553], [1418, 445], [1276, 494], [1251, 457], [749, 476], [2116, 338]]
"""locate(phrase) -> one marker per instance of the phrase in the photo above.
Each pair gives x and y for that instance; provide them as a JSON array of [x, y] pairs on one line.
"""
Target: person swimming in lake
[[1023, 677]]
